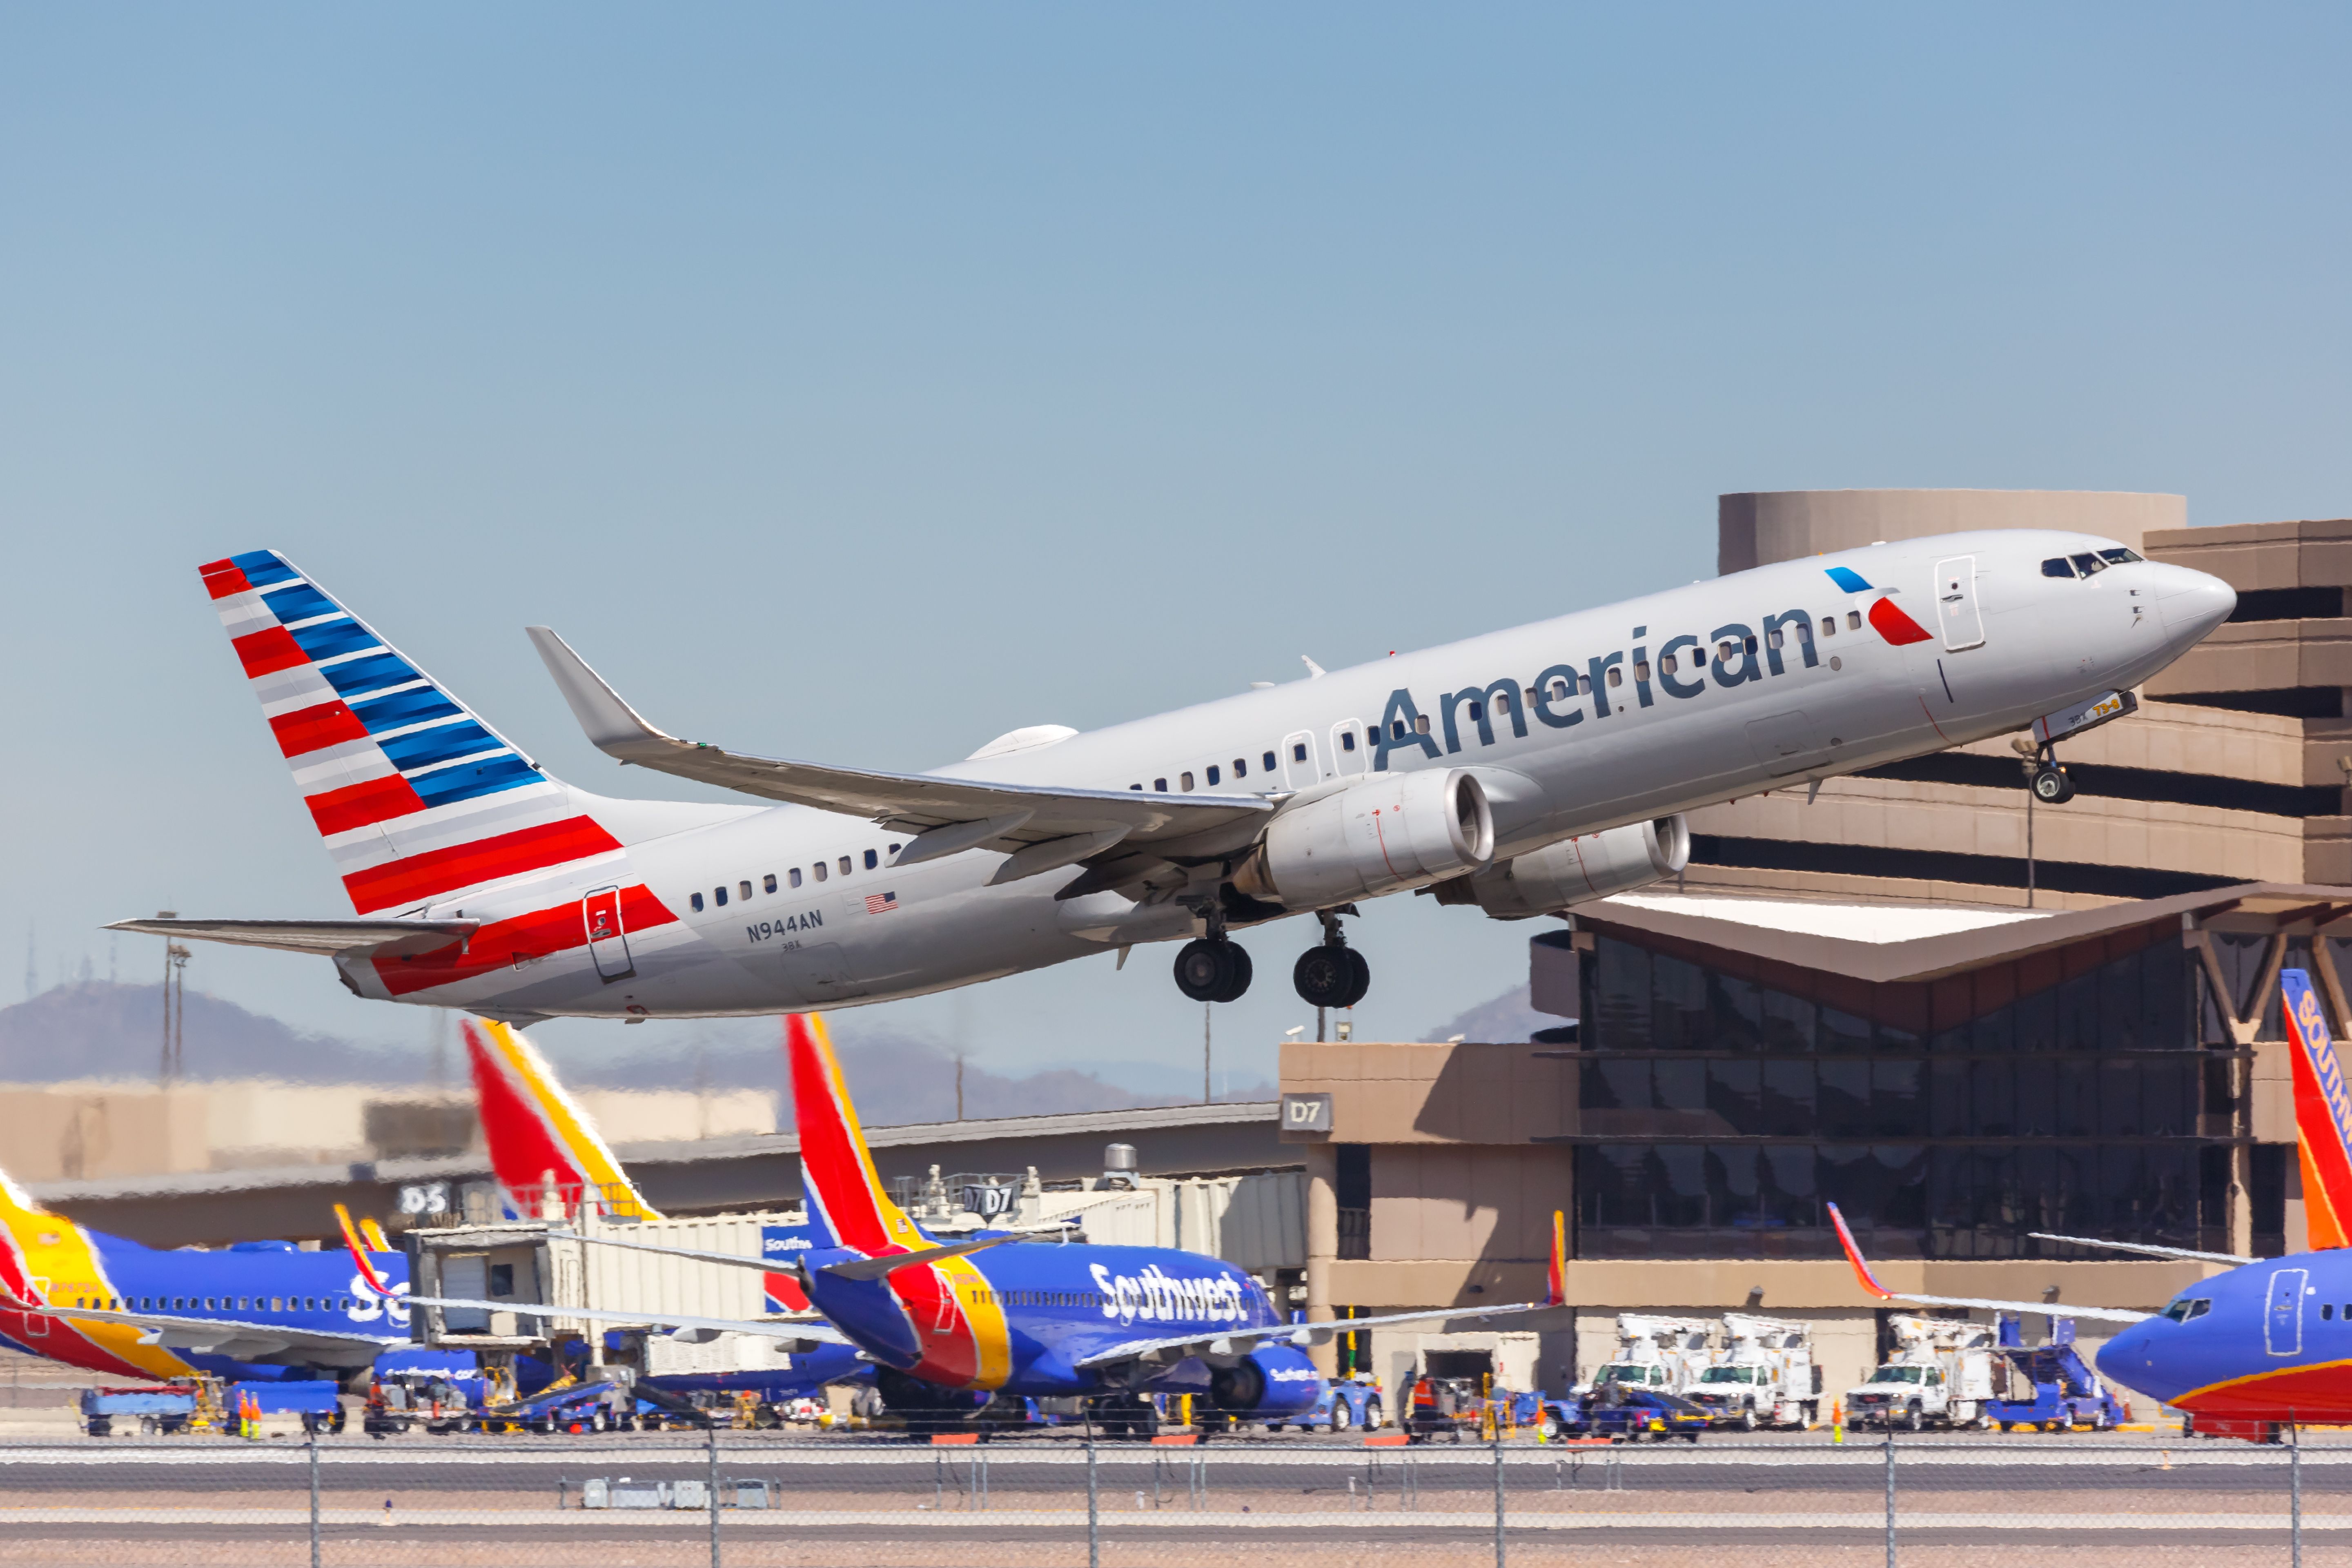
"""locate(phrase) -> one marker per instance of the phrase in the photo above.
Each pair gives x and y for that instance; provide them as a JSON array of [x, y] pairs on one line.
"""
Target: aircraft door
[[1299, 767], [1348, 748], [2283, 1317], [608, 944], [1958, 613]]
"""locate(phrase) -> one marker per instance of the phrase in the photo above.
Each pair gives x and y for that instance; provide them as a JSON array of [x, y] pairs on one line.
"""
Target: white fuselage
[[1834, 696]]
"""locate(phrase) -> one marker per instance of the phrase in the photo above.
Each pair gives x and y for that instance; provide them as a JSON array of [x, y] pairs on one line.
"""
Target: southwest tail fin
[[46, 1257], [1556, 1279], [541, 1143], [415, 795], [846, 1204], [352, 1243], [2323, 1113]]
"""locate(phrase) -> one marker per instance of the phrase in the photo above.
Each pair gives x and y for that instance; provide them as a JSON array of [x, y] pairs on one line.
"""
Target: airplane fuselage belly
[[1666, 703]]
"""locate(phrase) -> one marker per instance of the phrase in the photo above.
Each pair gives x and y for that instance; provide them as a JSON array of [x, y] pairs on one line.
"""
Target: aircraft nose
[[2130, 1358], [2192, 603]]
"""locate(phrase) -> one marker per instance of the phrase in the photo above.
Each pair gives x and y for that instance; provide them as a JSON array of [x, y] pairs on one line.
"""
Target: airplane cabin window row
[[1216, 773], [719, 895]]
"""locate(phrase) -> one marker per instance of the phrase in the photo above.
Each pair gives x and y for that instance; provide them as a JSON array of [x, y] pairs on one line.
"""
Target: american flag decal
[[881, 903]]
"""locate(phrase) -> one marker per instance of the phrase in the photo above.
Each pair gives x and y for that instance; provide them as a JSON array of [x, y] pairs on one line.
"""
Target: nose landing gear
[[1332, 975], [2045, 775]]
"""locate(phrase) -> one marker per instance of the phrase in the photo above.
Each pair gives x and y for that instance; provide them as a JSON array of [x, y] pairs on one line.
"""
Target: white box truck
[[1765, 1375], [1939, 1375]]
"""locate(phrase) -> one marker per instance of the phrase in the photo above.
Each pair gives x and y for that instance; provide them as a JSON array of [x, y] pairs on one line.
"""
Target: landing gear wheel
[[1323, 978], [2052, 786], [1212, 971]]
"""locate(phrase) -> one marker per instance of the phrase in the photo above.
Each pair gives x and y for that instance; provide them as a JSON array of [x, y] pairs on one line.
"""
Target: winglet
[[613, 726], [359, 1255], [1853, 1255], [1556, 1286]]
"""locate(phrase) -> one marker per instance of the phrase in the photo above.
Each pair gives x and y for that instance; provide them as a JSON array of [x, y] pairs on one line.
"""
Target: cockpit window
[[2184, 1308], [2087, 563], [2118, 557], [2057, 566]]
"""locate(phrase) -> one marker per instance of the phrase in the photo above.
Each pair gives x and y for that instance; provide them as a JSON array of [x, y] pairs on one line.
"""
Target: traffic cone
[[1837, 1420]]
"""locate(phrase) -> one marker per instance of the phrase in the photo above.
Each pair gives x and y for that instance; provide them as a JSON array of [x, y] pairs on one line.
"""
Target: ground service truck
[[1664, 1355], [1765, 1375], [1940, 1374]]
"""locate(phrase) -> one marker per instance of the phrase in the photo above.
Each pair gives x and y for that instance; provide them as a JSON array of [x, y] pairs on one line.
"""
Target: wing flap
[[909, 803]]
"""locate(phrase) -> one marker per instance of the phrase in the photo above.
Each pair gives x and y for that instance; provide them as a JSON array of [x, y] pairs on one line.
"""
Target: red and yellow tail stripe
[[46, 1259], [2323, 1113], [1556, 1277], [539, 1138], [953, 1309]]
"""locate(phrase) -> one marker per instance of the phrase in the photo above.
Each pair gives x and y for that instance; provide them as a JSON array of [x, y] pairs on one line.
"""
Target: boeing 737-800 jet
[[1520, 771]]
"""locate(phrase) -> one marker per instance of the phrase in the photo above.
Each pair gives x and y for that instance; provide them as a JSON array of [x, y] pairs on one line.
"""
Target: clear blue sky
[[859, 383]]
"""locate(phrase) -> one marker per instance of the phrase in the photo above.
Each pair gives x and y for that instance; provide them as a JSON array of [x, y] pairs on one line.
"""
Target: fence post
[[2295, 1491], [314, 1497], [1094, 1524], [1498, 1495], [1890, 1492], [711, 1433]]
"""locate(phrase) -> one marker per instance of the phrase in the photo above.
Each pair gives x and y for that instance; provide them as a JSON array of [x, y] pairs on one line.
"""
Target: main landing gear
[[1333, 975], [1213, 968]]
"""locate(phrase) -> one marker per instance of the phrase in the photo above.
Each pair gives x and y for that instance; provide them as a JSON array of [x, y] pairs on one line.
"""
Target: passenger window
[[1298, 751], [2088, 563], [2327, 1312], [1641, 670], [1477, 712], [1829, 625], [1667, 664], [843, 864], [744, 892], [1421, 724], [767, 883], [1160, 785], [1854, 620], [1214, 776], [1184, 782], [1749, 643], [718, 897], [1773, 640], [694, 900], [1560, 690], [1241, 768], [1616, 676], [1347, 739], [819, 869], [2057, 566], [872, 860], [1269, 757], [1584, 686], [793, 876]]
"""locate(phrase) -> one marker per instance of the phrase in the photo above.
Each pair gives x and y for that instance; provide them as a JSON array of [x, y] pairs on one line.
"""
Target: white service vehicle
[[1940, 1374], [1663, 1354], [1766, 1375]]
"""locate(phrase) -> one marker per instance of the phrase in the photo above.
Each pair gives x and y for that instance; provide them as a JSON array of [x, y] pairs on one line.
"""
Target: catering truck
[[1940, 1374], [1765, 1375]]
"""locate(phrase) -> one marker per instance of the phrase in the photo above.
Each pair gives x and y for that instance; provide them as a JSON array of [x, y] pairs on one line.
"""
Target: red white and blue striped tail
[[416, 796]]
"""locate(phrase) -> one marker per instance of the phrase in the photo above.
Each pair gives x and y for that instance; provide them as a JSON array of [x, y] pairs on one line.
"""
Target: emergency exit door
[[608, 944], [1957, 611], [2283, 1317]]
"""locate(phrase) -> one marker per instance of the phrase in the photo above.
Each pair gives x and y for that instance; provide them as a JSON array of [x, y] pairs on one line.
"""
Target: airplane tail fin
[[352, 1243], [416, 795], [27, 1232], [1556, 1279], [541, 1143], [1853, 1255], [846, 1204], [2323, 1113]]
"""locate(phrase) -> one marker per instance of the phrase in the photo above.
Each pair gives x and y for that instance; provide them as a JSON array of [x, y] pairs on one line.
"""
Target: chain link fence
[[1045, 1501]]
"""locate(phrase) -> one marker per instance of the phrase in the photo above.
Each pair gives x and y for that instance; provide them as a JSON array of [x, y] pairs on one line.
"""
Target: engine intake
[[1390, 832], [1273, 1379], [1575, 869]]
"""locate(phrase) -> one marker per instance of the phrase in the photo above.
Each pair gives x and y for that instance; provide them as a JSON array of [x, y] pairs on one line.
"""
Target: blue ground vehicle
[[2066, 1393], [1345, 1405], [1637, 1413]]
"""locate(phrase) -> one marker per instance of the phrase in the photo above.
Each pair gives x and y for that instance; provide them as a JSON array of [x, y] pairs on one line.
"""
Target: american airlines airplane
[[1518, 773]]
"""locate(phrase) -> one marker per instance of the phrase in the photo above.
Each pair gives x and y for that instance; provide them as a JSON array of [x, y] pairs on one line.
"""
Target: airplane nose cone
[[2192, 603], [2129, 1359]]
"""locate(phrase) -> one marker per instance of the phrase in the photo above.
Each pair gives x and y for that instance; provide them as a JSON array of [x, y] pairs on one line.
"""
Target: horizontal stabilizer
[[325, 937], [909, 803], [890, 1263]]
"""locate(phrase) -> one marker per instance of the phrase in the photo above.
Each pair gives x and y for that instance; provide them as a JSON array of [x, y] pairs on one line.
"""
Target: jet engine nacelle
[[1390, 832], [1271, 1382], [1592, 867]]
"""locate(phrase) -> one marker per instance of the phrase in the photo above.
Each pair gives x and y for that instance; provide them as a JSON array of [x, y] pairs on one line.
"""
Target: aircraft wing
[[322, 937], [769, 1328], [1870, 1283], [1045, 828], [1300, 1335], [2140, 1247], [226, 1336]]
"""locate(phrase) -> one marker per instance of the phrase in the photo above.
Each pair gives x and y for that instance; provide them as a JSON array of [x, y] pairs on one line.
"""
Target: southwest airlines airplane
[[2267, 1344], [1520, 771], [955, 1325]]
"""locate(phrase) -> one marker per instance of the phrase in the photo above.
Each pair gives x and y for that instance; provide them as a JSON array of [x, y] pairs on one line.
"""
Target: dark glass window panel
[[1895, 1108], [1883, 1191], [2298, 956], [1791, 1103], [2078, 1105], [1993, 1201], [1842, 1032], [1903, 1188], [1902, 1041], [1352, 1176], [2213, 1199], [2031, 1191], [1788, 1023], [2119, 1097], [1613, 1183], [2035, 1025], [2122, 1022], [1845, 1099], [1951, 1202], [2037, 1098], [1996, 1031], [1992, 1099], [2076, 1209], [2211, 1030], [2169, 1175], [1735, 1095], [2267, 1189], [2168, 1100], [2241, 956], [1949, 1099], [2078, 1013], [1680, 1086], [1790, 1185], [1611, 1084], [1732, 1191], [1736, 1014], [2221, 1095], [1622, 1003], [1679, 1011], [2125, 1208], [1681, 1198], [1949, 1042], [2165, 970]]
